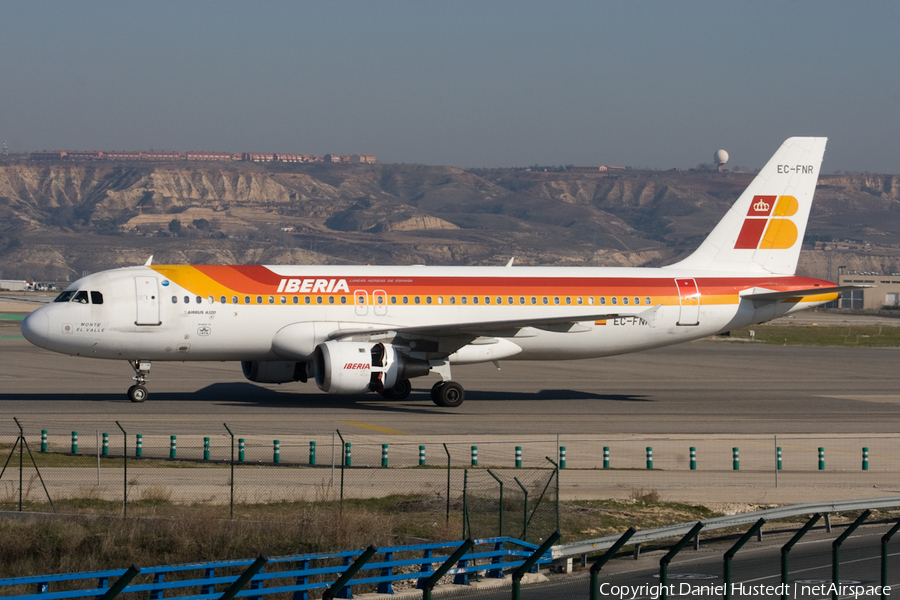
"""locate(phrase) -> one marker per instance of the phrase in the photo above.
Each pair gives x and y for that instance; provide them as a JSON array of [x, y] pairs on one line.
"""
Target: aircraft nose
[[36, 328]]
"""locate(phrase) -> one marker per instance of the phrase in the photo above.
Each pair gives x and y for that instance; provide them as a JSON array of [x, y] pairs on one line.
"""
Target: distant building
[[48, 155], [362, 158], [886, 292], [597, 169], [84, 155], [122, 155], [208, 156], [162, 155]]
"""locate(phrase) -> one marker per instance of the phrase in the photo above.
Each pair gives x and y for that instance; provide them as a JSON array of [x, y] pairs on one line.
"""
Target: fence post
[[206, 448], [172, 446], [665, 560], [518, 457], [562, 457], [836, 548], [598, 564], [524, 510], [43, 440], [124, 470], [735, 459], [693, 458], [821, 459], [384, 455], [734, 550], [276, 451], [231, 514], [105, 444], [121, 583], [442, 570], [649, 457], [474, 456], [312, 453], [246, 576], [787, 548], [530, 562], [422, 461], [778, 454], [74, 442], [865, 461], [138, 445], [884, 556], [358, 564], [240, 449], [501, 501], [348, 460], [605, 457]]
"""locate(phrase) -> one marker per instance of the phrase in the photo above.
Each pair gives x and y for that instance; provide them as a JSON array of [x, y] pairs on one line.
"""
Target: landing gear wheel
[[400, 391], [450, 395], [436, 392], [137, 393]]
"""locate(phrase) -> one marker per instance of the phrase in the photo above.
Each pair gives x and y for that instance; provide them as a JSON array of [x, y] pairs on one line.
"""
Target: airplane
[[358, 329]]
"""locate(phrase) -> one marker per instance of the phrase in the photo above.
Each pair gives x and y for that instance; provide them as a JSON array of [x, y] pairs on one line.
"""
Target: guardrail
[[670, 531], [300, 569]]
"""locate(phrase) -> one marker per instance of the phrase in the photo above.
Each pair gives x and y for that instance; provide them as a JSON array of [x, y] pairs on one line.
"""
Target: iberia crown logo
[[780, 231]]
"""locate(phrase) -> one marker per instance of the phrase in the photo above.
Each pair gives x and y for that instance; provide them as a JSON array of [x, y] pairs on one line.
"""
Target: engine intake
[[359, 367]]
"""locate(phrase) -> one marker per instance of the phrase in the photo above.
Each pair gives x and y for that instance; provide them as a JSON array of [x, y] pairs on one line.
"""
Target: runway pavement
[[705, 387]]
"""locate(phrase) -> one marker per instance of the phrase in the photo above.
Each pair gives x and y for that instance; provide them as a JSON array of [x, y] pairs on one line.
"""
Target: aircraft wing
[[501, 328], [766, 294]]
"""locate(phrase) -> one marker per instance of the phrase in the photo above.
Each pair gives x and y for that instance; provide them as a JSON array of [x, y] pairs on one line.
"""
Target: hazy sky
[[642, 84]]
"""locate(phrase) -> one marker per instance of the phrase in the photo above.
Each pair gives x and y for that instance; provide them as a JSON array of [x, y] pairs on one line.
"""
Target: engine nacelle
[[359, 367], [274, 371]]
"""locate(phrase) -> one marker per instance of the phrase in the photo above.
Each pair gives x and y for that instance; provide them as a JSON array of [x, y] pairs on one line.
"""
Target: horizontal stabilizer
[[764, 294]]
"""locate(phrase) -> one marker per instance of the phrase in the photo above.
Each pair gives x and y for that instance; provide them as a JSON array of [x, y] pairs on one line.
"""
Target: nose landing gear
[[137, 392]]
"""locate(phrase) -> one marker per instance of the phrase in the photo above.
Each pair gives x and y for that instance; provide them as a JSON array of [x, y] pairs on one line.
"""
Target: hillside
[[57, 220]]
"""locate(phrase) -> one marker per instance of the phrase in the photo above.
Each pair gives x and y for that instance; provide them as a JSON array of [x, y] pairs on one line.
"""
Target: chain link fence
[[454, 481]]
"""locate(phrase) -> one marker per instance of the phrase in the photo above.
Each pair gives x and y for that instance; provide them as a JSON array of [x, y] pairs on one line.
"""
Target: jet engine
[[279, 371], [359, 367]]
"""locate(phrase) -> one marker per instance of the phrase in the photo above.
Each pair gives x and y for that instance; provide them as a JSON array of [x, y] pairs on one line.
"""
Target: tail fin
[[764, 229]]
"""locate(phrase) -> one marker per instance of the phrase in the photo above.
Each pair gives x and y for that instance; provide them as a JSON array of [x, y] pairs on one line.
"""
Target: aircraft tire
[[401, 390], [137, 393], [450, 395], [436, 392]]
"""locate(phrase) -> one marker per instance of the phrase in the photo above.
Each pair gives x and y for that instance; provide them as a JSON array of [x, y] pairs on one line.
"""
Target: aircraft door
[[689, 299], [380, 302], [361, 299], [147, 296]]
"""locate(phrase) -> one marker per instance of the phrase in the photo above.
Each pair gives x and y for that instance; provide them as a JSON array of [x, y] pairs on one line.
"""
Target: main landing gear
[[138, 392], [448, 394], [400, 391]]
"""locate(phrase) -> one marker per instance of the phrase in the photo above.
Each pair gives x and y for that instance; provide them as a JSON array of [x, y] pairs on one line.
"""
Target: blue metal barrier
[[496, 555]]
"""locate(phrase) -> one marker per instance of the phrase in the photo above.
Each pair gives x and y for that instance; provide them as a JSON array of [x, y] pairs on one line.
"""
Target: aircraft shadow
[[239, 394]]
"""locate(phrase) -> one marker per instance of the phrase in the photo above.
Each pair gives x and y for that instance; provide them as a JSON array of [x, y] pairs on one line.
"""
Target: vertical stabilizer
[[763, 231]]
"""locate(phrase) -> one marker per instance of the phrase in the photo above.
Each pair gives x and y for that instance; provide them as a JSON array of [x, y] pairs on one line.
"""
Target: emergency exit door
[[689, 299]]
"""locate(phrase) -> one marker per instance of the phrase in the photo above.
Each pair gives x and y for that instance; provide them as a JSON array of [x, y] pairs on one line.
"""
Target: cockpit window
[[65, 296], [96, 298], [81, 297]]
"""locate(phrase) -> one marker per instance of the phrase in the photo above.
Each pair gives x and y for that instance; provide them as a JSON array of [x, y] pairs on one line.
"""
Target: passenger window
[[637, 300], [509, 300], [579, 300], [464, 300], [647, 300], [625, 300], [343, 299], [474, 299], [416, 300], [283, 300], [330, 299], [521, 300], [379, 299], [296, 300], [556, 300], [545, 300], [533, 300], [487, 299], [199, 300], [440, 299], [187, 299], [234, 299], [500, 300], [174, 299], [405, 299], [306, 299], [452, 299], [590, 300], [259, 299], [271, 299], [318, 299], [66, 296], [393, 299], [223, 300], [96, 298], [427, 299], [568, 300], [246, 299]]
